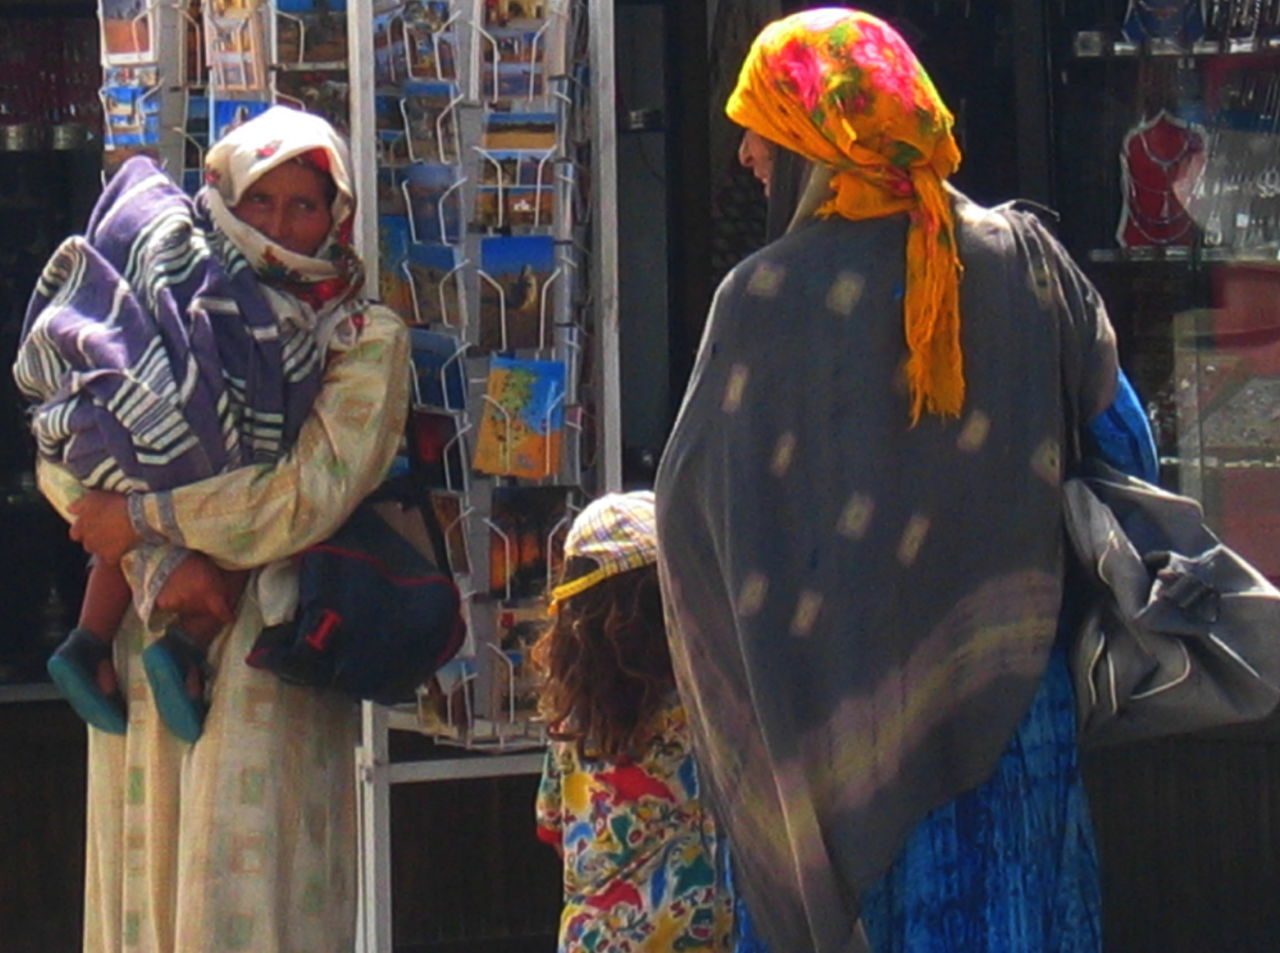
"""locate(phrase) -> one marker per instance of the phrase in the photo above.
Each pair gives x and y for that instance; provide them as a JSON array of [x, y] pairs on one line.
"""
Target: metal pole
[[604, 179], [364, 152], [373, 785]]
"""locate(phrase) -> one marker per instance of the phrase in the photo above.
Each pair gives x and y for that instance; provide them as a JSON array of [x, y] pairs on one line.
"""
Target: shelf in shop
[[1186, 254], [1097, 45]]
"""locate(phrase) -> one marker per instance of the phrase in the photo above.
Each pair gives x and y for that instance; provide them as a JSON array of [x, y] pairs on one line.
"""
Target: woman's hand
[[102, 525], [197, 587]]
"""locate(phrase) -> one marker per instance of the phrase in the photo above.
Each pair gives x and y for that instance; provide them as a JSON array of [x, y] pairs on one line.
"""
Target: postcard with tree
[[522, 426]]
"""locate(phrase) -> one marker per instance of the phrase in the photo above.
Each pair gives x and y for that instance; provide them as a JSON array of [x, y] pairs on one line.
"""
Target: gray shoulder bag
[[1178, 632], [1174, 631]]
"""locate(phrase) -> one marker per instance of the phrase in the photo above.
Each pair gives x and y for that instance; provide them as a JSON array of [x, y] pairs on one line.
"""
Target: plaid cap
[[618, 531]]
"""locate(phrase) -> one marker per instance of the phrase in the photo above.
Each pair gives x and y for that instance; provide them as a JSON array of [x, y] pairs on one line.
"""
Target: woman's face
[[290, 205], [755, 152]]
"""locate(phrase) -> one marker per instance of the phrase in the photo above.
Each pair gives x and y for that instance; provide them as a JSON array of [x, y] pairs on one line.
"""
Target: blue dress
[[973, 876]]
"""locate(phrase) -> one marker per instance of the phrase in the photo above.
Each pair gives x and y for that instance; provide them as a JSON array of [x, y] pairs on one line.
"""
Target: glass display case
[[1166, 116], [1166, 171]]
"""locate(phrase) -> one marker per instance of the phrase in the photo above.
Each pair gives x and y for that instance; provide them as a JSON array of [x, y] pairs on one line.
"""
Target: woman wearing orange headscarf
[[860, 531]]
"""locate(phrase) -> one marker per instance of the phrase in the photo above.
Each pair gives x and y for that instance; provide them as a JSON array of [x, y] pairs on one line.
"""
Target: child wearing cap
[[619, 792]]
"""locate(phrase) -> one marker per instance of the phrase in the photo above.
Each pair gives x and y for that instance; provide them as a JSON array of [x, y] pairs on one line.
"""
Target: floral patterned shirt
[[641, 864]]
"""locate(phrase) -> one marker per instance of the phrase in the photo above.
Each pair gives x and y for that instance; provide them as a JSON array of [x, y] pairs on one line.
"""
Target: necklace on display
[[1131, 221], [1189, 142], [1137, 206], [1170, 208], [1169, 163]]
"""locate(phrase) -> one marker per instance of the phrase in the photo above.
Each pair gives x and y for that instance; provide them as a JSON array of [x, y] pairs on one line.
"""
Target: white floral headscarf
[[251, 150]]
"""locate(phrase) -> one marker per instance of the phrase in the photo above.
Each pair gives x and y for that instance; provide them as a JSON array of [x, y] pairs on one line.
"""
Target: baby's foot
[[81, 667], [175, 667]]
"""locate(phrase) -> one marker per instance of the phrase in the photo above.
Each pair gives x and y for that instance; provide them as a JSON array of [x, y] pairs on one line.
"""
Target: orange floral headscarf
[[843, 89]]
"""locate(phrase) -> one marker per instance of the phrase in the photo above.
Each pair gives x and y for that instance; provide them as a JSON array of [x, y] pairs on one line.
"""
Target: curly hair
[[605, 664]]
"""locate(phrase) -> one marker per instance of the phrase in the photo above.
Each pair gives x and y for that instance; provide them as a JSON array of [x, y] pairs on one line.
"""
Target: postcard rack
[[494, 171], [482, 136]]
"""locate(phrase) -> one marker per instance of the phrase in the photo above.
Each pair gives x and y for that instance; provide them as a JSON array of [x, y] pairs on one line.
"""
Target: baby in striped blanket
[[176, 340]]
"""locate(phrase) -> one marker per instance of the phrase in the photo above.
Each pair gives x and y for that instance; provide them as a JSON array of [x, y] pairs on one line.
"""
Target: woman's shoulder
[[983, 230], [369, 325]]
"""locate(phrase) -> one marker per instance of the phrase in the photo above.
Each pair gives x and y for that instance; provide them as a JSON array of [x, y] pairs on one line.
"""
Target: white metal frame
[[375, 773]]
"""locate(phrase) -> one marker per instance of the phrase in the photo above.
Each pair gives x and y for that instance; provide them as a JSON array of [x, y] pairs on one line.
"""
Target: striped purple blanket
[[149, 351]]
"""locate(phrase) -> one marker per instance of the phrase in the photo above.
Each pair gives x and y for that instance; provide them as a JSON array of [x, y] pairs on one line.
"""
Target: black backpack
[[376, 616]]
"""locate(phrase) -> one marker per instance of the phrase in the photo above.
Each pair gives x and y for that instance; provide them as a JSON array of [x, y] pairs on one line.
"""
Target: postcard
[[229, 113], [515, 270], [522, 427], [428, 15], [516, 167], [439, 372], [555, 38], [527, 526], [195, 129], [391, 198], [311, 31], [528, 31], [439, 456], [132, 115], [512, 81], [519, 627], [192, 67], [387, 116], [488, 210], [434, 203], [518, 630], [529, 206], [228, 9], [127, 31], [449, 512], [515, 206], [323, 92], [195, 136], [393, 251], [445, 703], [429, 41], [522, 15], [436, 284], [197, 120], [393, 140], [428, 108], [390, 63], [236, 58], [514, 46], [142, 75], [528, 132]]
